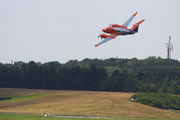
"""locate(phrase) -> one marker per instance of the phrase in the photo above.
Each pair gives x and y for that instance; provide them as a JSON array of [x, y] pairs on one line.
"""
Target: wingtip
[[96, 45], [142, 21], [134, 14]]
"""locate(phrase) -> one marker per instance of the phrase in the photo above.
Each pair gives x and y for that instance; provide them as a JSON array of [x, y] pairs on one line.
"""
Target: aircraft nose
[[104, 29]]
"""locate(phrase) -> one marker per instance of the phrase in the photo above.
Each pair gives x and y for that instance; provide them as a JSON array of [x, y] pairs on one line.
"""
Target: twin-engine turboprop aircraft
[[116, 30]]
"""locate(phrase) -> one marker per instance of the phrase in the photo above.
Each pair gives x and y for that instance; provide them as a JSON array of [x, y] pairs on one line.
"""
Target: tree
[[164, 86]]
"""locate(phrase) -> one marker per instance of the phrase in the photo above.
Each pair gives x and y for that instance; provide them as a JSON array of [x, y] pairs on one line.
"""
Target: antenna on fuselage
[[110, 25]]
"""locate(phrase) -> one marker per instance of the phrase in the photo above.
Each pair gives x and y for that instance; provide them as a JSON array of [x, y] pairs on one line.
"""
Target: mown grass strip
[[18, 98], [7, 116], [12, 116]]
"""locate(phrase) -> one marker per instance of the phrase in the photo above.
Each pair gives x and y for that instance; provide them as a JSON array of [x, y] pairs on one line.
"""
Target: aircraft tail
[[136, 29], [135, 26]]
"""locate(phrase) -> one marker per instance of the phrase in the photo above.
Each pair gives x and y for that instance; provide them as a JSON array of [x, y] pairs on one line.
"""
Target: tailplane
[[135, 26]]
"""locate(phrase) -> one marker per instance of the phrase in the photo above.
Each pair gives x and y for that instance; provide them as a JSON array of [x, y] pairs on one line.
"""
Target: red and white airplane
[[116, 30]]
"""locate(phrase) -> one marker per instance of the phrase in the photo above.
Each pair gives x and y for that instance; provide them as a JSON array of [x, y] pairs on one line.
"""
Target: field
[[38, 117], [78, 103]]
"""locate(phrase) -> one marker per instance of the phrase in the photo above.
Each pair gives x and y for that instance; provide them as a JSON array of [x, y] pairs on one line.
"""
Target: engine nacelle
[[105, 36], [116, 25]]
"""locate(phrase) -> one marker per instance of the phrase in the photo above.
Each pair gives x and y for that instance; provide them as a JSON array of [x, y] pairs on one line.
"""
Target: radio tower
[[169, 48]]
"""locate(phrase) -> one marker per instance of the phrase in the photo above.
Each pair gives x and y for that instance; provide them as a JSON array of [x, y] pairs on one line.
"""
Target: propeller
[[99, 35]]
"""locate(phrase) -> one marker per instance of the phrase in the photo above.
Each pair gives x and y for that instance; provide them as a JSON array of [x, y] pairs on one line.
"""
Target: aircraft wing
[[105, 40], [129, 20]]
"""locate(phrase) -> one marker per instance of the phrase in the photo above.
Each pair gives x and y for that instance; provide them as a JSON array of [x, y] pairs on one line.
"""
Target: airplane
[[116, 30]]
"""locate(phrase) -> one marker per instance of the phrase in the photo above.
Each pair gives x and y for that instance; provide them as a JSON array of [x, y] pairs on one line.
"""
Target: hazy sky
[[63, 30]]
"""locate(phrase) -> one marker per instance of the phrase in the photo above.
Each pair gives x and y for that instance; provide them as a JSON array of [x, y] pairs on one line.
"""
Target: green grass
[[11, 116], [18, 98], [5, 116]]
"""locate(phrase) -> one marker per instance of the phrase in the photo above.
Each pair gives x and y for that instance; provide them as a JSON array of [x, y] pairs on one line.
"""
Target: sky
[[63, 30]]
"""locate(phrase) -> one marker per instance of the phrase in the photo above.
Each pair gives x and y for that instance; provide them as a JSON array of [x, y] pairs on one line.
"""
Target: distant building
[[18, 63], [54, 62], [38, 63]]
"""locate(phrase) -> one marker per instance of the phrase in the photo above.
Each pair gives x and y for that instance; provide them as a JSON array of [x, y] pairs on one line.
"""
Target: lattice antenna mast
[[169, 48]]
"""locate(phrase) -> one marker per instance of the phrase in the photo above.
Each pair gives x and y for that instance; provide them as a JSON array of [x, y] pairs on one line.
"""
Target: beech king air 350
[[116, 30]]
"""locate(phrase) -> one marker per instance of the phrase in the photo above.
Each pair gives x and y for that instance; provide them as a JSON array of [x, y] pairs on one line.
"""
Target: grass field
[[82, 103], [5, 116]]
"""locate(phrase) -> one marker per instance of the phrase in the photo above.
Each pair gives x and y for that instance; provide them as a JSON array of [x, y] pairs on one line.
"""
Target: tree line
[[113, 74]]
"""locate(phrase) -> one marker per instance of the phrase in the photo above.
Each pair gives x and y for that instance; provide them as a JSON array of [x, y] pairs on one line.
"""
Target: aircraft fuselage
[[118, 31]]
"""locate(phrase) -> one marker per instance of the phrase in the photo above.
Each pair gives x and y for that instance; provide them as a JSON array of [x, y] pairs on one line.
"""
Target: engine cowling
[[121, 26], [105, 36]]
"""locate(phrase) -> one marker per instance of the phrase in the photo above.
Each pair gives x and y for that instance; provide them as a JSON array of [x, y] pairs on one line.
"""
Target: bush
[[159, 100]]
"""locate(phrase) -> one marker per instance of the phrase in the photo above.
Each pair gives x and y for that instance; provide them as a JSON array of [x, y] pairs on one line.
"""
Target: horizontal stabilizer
[[136, 25]]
